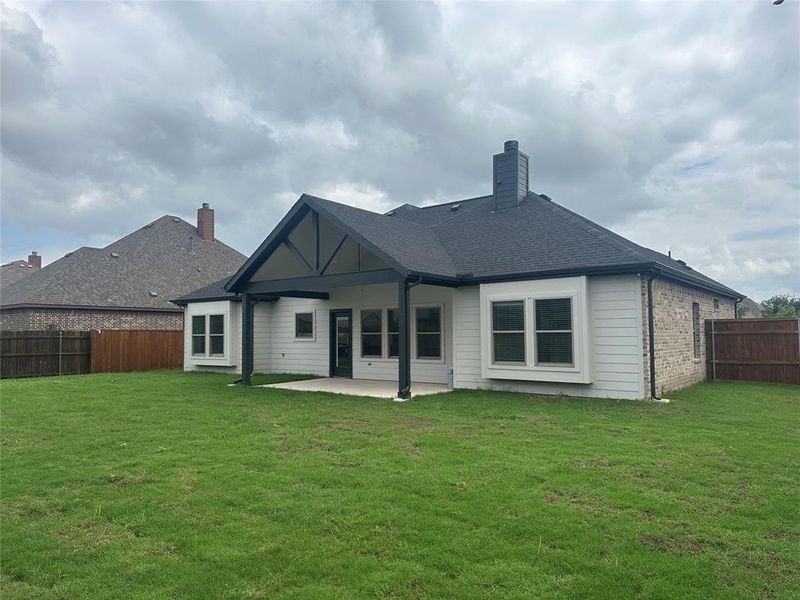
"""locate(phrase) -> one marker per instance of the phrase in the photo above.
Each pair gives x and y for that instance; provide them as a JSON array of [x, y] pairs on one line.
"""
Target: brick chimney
[[35, 260], [205, 222], [510, 176]]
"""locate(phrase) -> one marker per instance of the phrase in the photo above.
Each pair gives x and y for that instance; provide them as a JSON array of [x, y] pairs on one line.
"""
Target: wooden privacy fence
[[39, 353], [753, 350], [35, 353], [116, 351]]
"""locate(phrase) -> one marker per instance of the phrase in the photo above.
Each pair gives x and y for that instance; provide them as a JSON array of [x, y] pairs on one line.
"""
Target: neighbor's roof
[[145, 270], [14, 271]]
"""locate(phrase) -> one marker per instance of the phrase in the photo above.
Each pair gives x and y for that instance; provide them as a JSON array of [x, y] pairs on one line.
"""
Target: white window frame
[[385, 308], [524, 331], [575, 288], [313, 336], [193, 335], [207, 335], [414, 355], [383, 333], [536, 333], [229, 311]]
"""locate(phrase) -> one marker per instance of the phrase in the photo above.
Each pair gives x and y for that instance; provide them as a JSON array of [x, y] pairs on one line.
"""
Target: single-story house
[[508, 291], [128, 284]]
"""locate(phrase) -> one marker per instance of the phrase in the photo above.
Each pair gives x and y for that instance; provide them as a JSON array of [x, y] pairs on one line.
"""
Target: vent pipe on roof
[[510, 170], [34, 260], [205, 222]]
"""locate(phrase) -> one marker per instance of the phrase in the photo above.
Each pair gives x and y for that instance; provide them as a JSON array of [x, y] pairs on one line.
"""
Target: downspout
[[736, 308], [651, 338]]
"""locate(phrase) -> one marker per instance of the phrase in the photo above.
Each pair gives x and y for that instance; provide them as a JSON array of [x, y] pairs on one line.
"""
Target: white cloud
[[673, 123]]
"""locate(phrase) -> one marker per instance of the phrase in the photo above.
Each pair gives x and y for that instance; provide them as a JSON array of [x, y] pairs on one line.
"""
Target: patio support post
[[404, 360], [247, 338]]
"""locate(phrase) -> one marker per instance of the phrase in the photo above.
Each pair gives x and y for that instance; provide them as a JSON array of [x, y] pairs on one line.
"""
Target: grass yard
[[173, 485]]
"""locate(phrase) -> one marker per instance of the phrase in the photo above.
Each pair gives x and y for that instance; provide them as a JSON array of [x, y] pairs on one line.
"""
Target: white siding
[[288, 355], [233, 348], [616, 343]]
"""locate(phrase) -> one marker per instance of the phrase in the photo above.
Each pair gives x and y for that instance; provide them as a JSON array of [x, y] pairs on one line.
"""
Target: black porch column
[[404, 361], [247, 338]]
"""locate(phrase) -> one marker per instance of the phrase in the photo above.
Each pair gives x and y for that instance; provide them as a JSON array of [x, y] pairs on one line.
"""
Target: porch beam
[[247, 338], [303, 294], [404, 359], [321, 282]]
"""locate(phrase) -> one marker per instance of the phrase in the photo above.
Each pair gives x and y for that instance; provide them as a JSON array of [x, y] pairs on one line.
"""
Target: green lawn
[[172, 485]]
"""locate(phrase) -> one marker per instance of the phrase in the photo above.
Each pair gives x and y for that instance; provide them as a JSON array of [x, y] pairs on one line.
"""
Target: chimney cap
[[206, 205], [34, 253], [511, 145]]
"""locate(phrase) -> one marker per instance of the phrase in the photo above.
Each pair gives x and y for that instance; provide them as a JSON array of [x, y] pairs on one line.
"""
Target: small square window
[[304, 325]]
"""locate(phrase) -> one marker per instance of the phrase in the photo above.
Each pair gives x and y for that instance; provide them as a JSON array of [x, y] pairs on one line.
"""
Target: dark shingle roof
[[467, 242], [145, 269], [14, 271], [425, 255], [213, 291]]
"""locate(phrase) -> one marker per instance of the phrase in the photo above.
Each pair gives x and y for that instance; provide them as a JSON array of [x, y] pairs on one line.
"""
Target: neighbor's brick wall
[[38, 319], [676, 365]]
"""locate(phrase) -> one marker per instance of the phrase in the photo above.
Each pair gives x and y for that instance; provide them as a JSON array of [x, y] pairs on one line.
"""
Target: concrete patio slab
[[358, 387]]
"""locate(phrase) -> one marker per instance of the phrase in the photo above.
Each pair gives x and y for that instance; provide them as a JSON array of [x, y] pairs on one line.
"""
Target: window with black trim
[[304, 325], [429, 332], [199, 335], [716, 303], [554, 331], [696, 328], [508, 331], [372, 333], [393, 331]]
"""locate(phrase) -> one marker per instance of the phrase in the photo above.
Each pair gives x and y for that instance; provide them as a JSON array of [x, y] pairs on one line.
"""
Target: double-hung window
[[216, 335], [508, 332], [554, 331], [429, 332], [199, 335], [208, 335], [372, 333]]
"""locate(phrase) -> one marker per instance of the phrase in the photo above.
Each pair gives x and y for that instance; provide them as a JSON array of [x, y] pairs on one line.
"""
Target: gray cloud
[[674, 124]]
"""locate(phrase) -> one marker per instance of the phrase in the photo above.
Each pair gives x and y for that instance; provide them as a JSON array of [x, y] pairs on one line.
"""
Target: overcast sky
[[674, 124]]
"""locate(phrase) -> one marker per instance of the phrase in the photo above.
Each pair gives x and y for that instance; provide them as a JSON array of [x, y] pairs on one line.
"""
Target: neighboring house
[[750, 309], [17, 269], [126, 285], [511, 291]]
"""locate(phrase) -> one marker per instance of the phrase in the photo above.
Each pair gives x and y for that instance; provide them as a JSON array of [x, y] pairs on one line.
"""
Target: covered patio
[[358, 387], [321, 246]]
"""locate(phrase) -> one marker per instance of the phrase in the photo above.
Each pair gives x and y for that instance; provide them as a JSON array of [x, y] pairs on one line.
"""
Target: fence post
[[60, 339], [713, 350]]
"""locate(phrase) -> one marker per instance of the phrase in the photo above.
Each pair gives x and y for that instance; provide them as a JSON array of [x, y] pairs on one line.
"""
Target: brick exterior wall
[[39, 319], [676, 364]]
